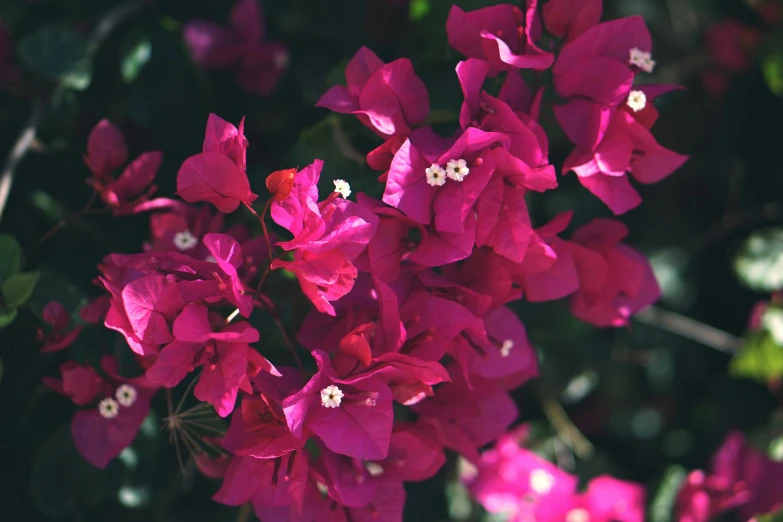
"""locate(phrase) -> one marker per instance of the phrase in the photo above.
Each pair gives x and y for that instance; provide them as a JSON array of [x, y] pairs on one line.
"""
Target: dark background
[[656, 399]]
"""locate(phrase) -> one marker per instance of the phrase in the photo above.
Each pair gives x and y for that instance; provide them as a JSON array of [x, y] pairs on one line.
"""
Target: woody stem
[[287, 340], [67, 219], [263, 225]]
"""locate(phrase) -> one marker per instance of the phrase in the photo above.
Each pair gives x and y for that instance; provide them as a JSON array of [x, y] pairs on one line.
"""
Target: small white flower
[[643, 60], [637, 100], [126, 395], [457, 169], [578, 515], [185, 240], [541, 481], [505, 350], [331, 396], [342, 186], [436, 176], [108, 408]]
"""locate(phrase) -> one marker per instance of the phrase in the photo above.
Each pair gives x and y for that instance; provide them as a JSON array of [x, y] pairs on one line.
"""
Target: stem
[[732, 223], [263, 225], [68, 219], [565, 429], [287, 340], [18, 152], [244, 512], [690, 329]]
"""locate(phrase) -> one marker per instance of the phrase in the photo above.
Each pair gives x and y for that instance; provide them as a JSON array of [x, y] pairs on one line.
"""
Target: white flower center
[[457, 169], [342, 186], [126, 395], [637, 100], [436, 176], [185, 240], [373, 468], [210, 259], [505, 350], [578, 515], [331, 396], [643, 60], [541, 481], [108, 408]]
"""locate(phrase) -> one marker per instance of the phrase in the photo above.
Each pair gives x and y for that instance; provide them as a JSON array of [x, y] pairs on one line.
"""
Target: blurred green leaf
[[59, 54], [772, 321], [61, 480], [771, 56], [54, 287], [662, 505], [777, 516], [18, 288], [418, 9], [7, 316], [759, 263], [137, 50], [10, 257], [760, 358]]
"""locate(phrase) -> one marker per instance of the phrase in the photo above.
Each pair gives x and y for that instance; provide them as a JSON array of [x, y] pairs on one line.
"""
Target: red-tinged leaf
[[280, 183], [356, 345], [214, 178], [106, 148], [137, 176]]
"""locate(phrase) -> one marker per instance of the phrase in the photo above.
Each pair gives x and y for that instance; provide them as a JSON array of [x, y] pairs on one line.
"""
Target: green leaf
[[59, 54], [10, 256], [54, 287], [7, 316], [759, 263], [137, 51], [418, 9], [61, 481], [662, 506], [771, 56], [19, 287], [760, 358], [777, 516]]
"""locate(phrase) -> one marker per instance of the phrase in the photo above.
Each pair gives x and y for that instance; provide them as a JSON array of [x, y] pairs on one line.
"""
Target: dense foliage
[[391, 260]]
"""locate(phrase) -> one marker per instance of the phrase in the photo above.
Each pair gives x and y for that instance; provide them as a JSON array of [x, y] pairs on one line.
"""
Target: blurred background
[[651, 399]]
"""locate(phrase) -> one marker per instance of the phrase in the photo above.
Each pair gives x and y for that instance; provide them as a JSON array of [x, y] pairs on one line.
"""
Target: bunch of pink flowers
[[413, 349]]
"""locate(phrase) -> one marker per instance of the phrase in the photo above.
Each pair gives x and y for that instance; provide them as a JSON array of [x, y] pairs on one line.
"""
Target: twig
[[64, 221], [565, 429], [26, 138], [244, 512], [18, 152], [287, 341], [733, 222], [690, 329], [110, 20]]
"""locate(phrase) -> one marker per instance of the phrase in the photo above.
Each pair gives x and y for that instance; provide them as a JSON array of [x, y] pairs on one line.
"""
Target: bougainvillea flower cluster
[[515, 481], [241, 45], [411, 349]]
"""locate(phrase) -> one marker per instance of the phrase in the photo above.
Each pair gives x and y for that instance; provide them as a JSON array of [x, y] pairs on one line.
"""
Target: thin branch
[[244, 512], [288, 343], [26, 138], [690, 329], [87, 209], [734, 222], [566, 430], [18, 152]]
